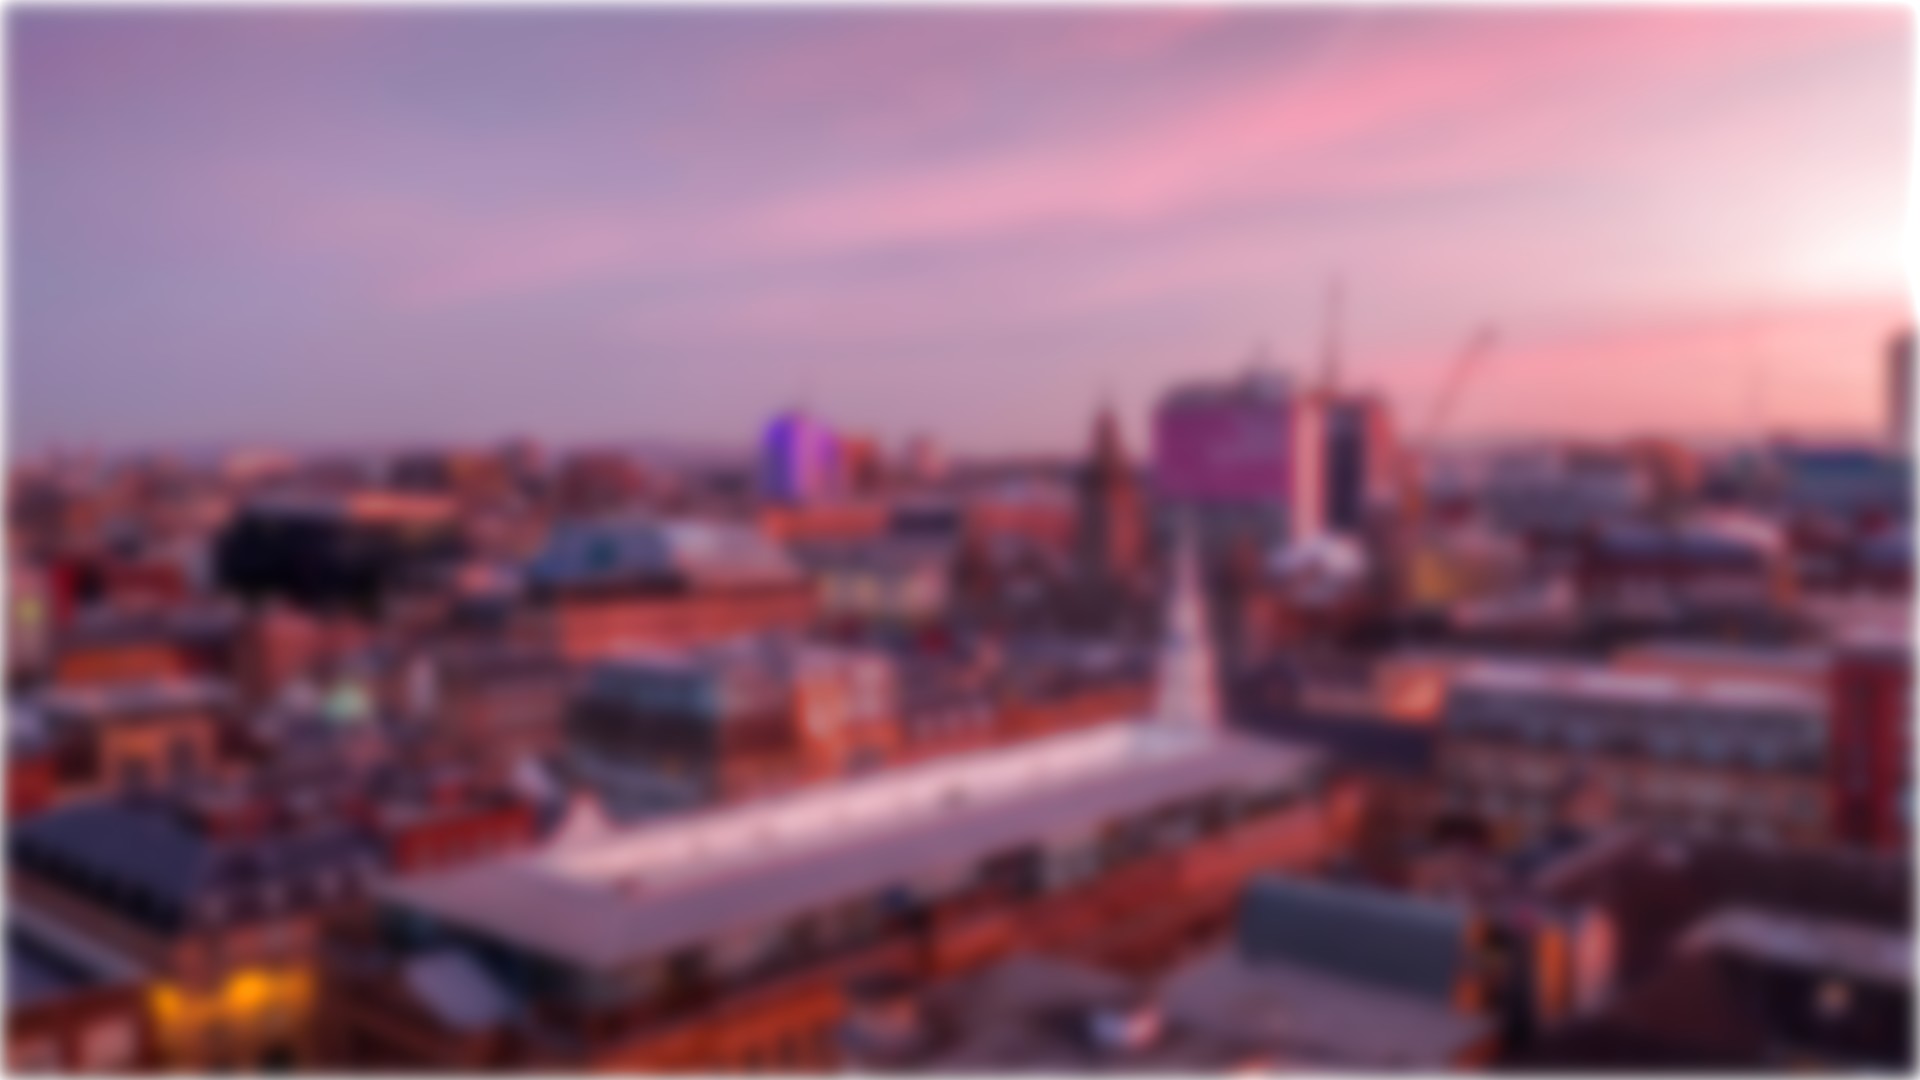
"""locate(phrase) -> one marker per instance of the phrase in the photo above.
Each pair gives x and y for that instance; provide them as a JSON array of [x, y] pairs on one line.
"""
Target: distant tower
[[1900, 392], [1184, 690], [1112, 529]]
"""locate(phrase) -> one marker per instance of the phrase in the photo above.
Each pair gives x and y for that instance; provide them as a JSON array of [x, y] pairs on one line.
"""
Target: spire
[[1184, 690]]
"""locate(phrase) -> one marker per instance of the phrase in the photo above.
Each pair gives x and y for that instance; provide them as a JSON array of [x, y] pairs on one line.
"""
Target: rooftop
[[642, 548], [1833, 946], [1314, 1017], [161, 865], [124, 699], [47, 959], [1362, 741], [1657, 890], [198, 622], [1033, 1012], [1397, 944], [370, 507], [642, 891]]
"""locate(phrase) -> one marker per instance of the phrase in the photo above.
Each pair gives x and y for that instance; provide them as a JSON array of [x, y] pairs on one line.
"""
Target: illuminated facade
[[800, 460], [220, 914]]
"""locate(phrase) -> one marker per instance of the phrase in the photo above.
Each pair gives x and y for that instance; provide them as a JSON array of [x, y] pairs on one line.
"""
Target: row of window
[[1769, 748], [1675, 802], [111, 1045]]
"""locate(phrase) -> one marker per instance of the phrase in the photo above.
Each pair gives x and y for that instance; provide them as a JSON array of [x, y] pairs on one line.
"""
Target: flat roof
[[47, 959], [147, 696], [647, 890], [1318, 1018], [1813, 944], [1864, 622]]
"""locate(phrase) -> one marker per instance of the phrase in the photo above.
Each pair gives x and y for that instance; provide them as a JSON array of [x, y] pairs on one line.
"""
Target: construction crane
[[1464, 365]]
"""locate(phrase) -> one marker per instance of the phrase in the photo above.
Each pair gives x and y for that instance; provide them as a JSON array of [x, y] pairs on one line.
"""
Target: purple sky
[[347, 224]]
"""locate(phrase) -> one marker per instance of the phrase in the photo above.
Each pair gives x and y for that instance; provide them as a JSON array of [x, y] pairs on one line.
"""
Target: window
[[1833, 999], [34, 1056], [108, 1045]]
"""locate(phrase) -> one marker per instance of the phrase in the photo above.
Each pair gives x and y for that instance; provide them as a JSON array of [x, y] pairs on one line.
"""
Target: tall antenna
[[1330, 348]]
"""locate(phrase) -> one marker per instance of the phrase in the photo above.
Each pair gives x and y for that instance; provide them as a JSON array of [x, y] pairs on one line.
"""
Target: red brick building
[[606, 584], [452, 831], [33, 780], [109, 646], [1092, 846], [1870, 743], [73, 1005]]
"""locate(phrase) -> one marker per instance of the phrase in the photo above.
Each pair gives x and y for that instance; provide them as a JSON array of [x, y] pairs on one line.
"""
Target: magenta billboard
[[1223, 449]]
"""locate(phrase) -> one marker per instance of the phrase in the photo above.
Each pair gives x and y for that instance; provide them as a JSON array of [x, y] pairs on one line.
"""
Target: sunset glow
[[585, 225]]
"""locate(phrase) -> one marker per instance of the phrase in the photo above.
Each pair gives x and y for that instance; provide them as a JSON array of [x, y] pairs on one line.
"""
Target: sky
[[342, 225]]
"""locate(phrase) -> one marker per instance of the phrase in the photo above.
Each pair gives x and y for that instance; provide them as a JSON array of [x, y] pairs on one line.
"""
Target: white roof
[[645, 890], [1821, 945]]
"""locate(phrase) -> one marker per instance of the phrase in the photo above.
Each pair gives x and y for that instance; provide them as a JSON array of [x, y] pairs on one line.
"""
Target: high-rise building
[[1359, 457], [1266, 460], [1228, 458], [800, 459], [1112, 535]]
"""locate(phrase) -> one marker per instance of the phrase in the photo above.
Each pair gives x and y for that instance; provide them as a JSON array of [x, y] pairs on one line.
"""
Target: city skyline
[[394, 226]]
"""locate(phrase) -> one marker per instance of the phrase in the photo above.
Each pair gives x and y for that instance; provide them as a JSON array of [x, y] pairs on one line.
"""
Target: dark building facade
[[336, 555]]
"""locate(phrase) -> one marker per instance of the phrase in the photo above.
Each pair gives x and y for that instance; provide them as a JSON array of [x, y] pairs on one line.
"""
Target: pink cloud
[[1450, 103]]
